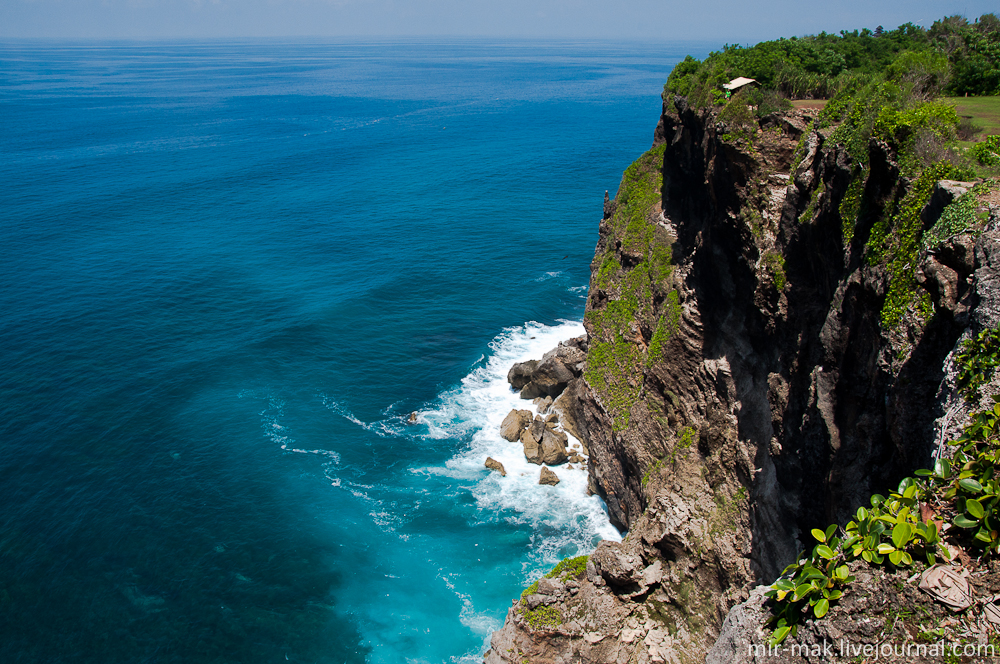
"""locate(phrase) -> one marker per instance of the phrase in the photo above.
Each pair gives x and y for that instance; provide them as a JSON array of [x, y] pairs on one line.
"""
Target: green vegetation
[[960, 216], [987, 153], [775, 264], [964, 490], [896, 242], [566, 568], [543, 616], [954, 56], [668, 323], [982, 114], [571, 567], [615, 356], [850, 205], [977, 361]]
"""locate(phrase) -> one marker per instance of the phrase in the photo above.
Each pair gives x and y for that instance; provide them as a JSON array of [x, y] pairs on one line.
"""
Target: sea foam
[[564, 519]]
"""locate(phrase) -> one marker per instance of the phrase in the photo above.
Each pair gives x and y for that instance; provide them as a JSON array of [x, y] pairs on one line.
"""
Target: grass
[[984, 111]]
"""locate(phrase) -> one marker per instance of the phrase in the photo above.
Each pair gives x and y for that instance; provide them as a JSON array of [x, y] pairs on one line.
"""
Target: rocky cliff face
[[741, 383]]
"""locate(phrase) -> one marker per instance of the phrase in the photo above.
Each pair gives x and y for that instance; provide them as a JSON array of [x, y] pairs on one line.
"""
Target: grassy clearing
[[983, 111]]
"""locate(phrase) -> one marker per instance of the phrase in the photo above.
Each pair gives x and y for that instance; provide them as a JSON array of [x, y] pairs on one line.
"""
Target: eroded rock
[[514, 424], [493, 464], [548, 477]]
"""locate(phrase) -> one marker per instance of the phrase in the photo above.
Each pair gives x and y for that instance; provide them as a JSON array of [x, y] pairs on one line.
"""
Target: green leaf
[[896, 557], [825, 552], [907, 559], [942, 468], [821, 608], [983, 536], [923, 472], [962, 522], [868, 556], [974, 508], [780, 634], [910, 491], [835, 595], [830, 530], [901, 535], [885, 548], [862, 514], [842, 572], [819, 534], [970, 485]]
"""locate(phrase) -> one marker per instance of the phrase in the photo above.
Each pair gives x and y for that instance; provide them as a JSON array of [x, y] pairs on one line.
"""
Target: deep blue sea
[[230, 271]]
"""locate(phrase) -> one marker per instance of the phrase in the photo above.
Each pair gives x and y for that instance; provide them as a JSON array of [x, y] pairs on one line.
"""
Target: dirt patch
[[809, 103]]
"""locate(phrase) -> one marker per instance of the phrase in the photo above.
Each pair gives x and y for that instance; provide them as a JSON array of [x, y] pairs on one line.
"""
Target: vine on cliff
[[906, 526], [617, 350]]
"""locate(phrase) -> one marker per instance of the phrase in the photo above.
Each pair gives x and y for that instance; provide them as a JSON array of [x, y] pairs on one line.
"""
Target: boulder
[[537, 427], [571, 357], [548, 477], [493, 464], [514, 423], [542, 403], [553, 448], [569, 409], [520, 374], [531, 391], [616, 565], [532, 451], [552, 376]]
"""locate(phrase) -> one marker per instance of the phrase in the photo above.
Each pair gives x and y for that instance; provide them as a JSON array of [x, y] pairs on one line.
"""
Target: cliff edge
[[743, 381]]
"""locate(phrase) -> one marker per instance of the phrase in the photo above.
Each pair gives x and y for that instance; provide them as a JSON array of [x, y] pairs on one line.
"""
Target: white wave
[[548, 275], [388, 428], [564, 519]]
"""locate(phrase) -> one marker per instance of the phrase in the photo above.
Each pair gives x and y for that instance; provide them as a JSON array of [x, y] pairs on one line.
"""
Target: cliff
[[744, 382]]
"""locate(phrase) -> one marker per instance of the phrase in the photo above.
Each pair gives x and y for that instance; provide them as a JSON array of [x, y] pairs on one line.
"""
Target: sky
[[723, 21]]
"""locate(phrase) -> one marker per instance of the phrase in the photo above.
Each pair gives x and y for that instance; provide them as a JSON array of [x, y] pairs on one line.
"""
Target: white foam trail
[[565, 520], [388, 428], [278, 433]]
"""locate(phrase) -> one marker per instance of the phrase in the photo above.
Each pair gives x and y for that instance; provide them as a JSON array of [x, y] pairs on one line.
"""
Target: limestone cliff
[[741, 383]]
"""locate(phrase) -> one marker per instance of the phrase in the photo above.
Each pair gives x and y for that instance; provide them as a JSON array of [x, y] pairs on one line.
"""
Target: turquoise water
[[230, 273]]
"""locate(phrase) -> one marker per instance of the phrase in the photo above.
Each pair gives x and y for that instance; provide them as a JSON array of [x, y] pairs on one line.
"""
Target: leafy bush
[[961, 215], [987, 152], [964, 489], [976, 362], [891, 530]]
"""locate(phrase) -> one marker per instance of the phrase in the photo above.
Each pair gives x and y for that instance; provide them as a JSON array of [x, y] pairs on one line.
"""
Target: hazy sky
[[715, 20]]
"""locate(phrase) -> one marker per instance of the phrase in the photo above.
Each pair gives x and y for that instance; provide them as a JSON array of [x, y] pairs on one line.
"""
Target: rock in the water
[[576, 458], [514, 423], [569, 408], [553, 448], [543, 403], [531, 391], [537, 427], [532, 451], [493, 464], [548, 477], [413, 417], [520, 374], [551, 376]]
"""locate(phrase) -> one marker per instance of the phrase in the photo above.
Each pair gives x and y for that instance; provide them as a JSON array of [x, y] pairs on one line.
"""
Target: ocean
[[231, 271]]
